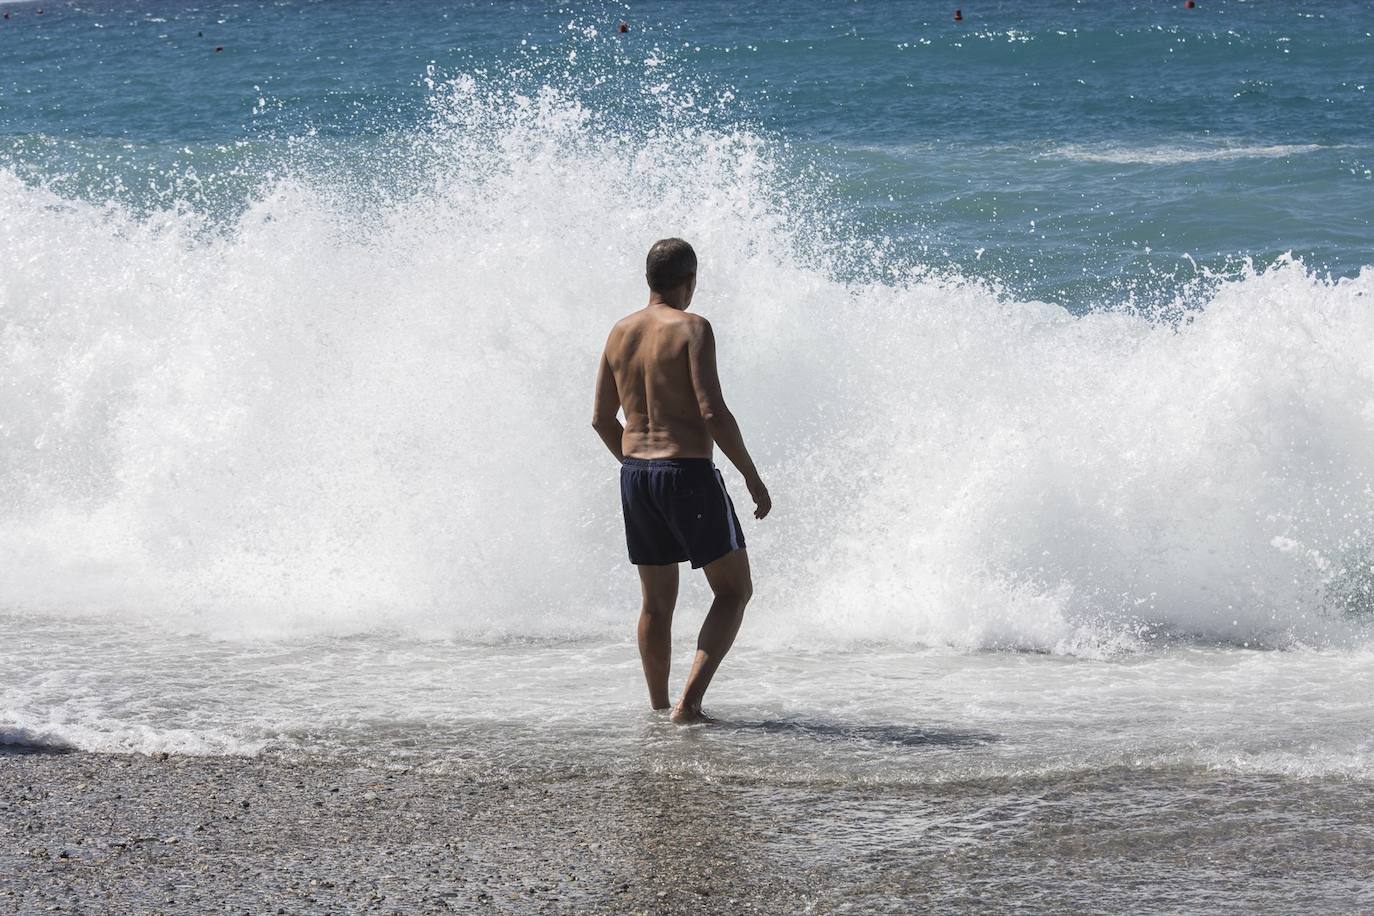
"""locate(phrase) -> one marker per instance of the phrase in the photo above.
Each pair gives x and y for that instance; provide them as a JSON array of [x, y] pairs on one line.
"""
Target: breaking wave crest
[[343, 411]]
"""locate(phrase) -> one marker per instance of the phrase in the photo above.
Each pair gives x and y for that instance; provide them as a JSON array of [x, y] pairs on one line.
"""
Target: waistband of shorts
[[666, 463]]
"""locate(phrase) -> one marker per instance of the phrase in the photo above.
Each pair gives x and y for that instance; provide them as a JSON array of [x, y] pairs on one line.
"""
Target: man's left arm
[[604, 419]]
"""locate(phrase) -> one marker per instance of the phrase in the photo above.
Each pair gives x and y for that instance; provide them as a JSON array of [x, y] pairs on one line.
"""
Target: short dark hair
[[670, 262]]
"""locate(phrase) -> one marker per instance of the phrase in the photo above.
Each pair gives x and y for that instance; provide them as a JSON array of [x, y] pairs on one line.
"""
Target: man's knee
[[736, 592], [659, 605], [746, 591]]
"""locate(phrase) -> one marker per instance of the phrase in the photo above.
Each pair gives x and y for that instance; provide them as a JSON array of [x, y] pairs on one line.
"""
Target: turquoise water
[[1084, 154]]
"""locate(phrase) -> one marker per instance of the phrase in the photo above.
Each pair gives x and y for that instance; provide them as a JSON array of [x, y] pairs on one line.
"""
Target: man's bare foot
[[682, 715]]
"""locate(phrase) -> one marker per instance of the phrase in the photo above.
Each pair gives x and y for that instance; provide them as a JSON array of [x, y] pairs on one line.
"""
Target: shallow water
[[876, 715]]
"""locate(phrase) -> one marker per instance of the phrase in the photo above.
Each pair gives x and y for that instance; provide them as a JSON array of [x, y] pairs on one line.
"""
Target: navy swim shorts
[[677, 509]]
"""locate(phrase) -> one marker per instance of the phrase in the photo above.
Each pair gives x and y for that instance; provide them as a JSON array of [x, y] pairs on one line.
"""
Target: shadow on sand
[[891, 735]]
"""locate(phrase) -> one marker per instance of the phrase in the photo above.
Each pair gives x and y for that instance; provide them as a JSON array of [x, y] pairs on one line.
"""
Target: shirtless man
[[659, 367]]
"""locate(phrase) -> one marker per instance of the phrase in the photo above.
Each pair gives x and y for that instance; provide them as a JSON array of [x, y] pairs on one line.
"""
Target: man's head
[[671, 269]]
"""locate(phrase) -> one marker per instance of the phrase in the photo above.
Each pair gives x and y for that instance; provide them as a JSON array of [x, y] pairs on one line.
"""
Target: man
[[659, 367]]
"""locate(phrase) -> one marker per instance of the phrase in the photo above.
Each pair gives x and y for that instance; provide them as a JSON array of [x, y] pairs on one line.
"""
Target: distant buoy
[[958, 15], [1190, 5], [219, 48], [624, 27]]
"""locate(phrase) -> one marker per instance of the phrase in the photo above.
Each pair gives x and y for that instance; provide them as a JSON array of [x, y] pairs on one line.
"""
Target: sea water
[[1051, 331]]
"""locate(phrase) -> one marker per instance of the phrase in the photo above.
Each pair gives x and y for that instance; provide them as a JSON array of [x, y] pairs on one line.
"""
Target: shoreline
[[85, 832]]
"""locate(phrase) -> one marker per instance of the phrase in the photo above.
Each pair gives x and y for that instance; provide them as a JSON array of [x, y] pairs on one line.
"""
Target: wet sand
[[89, 833]]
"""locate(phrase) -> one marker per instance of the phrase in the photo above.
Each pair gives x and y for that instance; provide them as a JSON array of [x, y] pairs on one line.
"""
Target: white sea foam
[[119, 737], [1173, 155], [333, 418]]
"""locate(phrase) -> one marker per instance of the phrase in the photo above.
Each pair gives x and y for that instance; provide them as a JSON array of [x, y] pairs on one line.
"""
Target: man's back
[[649, 355]]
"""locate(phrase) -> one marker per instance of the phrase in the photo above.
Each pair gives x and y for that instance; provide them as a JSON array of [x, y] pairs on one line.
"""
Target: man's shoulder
[[627, 323], [687, 328], [694, 324]]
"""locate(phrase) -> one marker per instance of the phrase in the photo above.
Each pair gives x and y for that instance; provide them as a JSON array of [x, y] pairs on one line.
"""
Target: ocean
[[1051, 330]]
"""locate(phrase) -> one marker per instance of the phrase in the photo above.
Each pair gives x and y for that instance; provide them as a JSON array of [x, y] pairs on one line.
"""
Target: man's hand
[[759, 493]]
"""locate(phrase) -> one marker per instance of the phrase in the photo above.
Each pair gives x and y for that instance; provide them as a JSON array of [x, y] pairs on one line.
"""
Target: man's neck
[[670, 301]]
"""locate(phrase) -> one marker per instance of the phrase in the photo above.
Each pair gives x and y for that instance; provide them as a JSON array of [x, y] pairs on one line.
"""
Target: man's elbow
[[714, 415]]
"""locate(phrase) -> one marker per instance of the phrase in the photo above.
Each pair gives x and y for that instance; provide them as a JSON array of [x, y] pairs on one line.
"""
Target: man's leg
[[659, 587], [732, 586]]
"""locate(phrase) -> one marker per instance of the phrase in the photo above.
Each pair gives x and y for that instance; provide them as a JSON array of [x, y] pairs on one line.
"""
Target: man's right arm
[[720, 422], [605, 408]]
